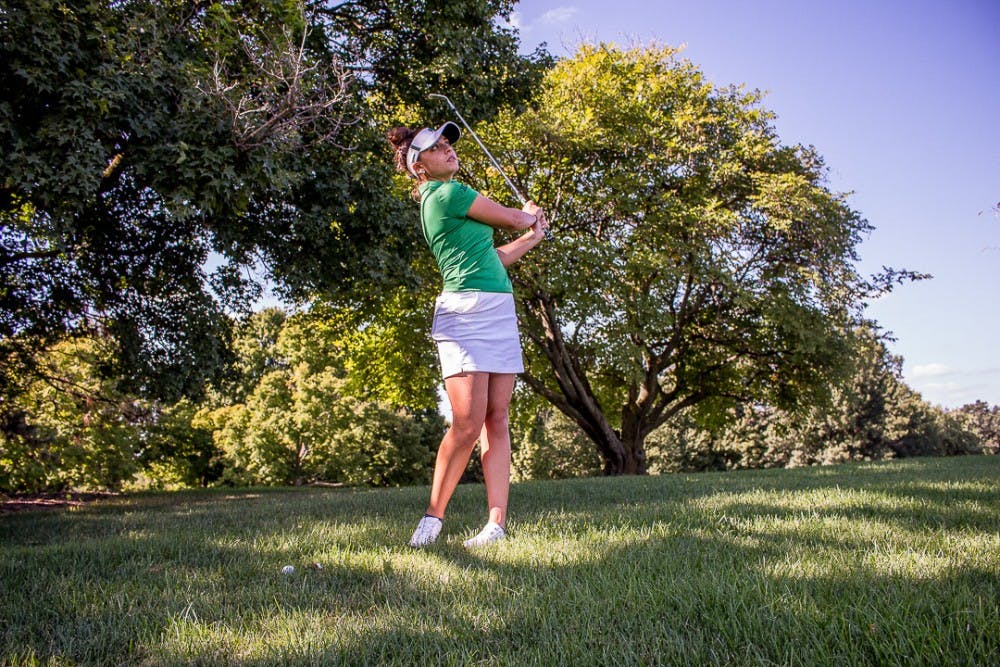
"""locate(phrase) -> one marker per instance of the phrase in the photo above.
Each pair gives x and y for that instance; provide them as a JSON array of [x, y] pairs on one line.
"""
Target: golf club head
[[441, 97]]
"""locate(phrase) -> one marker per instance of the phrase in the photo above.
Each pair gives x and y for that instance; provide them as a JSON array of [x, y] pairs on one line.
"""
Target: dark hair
[[401, 138]]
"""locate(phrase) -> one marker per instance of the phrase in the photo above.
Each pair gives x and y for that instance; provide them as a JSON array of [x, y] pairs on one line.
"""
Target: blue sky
[[903, 101]]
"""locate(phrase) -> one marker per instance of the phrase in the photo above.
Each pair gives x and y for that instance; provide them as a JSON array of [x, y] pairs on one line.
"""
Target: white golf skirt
[[477, 331]]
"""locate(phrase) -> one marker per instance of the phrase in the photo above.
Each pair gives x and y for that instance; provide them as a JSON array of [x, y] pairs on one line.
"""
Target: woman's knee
[[466, 432], [498, 419]]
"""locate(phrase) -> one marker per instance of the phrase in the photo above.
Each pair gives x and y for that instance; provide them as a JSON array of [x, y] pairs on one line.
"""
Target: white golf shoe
[[427, 531], [491, 532]]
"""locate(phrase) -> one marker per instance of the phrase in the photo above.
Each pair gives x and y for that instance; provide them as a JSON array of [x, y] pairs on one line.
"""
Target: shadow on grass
[[710, 569]]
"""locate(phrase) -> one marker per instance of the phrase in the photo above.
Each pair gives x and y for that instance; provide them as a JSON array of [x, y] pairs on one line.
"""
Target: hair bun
[[401, 136]]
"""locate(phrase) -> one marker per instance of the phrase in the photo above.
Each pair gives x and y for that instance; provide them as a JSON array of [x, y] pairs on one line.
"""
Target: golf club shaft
[[493, 160]]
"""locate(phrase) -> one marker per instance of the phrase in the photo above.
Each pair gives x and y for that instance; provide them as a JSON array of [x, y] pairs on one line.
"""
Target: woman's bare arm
[[490, 213], [516, 249]]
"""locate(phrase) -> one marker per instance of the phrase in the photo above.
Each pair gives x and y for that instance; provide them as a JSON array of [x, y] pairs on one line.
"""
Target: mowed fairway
[[893, 563]]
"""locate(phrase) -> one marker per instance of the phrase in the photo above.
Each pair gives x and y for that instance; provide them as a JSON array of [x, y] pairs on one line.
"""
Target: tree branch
[[576, 391], [291, 95]]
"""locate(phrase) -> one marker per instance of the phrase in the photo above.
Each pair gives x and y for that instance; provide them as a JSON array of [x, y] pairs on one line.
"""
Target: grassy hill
[[880, 564]]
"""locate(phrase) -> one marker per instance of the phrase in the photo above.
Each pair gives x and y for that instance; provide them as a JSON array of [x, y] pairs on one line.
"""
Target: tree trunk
[[575, 398], [633, 439], [633, 461]]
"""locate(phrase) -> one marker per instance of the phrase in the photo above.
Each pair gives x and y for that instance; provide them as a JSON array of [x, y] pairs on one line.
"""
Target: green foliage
[[872, 415], [697, 260], [983, 421], [388, 355], [101, 215], [142, 138], [76, 426], [407, 49], [917, 428], [301, 412], [284, 433], [382, 446], [256, 353], [83, 430], [176, 452], [547, 445], [145, 141], [292, 411]]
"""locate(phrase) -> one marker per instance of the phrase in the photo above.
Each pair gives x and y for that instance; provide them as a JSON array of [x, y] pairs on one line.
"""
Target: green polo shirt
[[463, 247]]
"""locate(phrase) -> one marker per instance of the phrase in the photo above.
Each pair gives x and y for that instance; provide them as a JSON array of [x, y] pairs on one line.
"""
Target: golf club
[[493, 160]]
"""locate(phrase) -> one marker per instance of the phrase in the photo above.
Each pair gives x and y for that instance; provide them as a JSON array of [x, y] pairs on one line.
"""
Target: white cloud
[[553, 19], [953, 394], [932, 370], [951, 387], [558, 15]]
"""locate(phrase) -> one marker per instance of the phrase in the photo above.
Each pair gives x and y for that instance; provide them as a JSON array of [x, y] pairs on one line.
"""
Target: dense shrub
[[549, 446], [983, 421], [74, 428]]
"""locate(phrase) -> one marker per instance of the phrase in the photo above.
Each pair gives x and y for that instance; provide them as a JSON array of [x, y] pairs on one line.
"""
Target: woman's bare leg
[[468, 394], [494, 446]]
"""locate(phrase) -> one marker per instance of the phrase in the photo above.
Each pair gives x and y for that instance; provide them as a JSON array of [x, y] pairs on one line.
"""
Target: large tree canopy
[[141, 137], [698, 262]]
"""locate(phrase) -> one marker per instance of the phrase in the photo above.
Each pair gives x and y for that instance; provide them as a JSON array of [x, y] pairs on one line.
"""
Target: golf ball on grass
[[288, 569]]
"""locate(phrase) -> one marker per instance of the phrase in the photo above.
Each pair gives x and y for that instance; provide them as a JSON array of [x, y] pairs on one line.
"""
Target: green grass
[[881, 564]]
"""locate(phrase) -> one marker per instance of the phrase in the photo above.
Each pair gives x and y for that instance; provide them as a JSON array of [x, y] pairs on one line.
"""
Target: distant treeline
[[301, 405]]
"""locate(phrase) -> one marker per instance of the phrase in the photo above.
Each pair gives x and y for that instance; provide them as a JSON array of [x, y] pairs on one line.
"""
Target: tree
[[111, 166], [872, 415], [141, 137], [547, 445], [698, 264], [917, 428], [982, 420], [177, 451], [300, 414], [855, 423], [402, 50], [255, 351], [84, 431]]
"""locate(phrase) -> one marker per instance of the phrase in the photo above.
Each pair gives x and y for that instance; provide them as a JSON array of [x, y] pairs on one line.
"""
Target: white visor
[[426, 138]]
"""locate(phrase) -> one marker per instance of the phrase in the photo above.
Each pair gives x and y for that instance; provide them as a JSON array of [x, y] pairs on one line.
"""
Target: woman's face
[[439, 162]]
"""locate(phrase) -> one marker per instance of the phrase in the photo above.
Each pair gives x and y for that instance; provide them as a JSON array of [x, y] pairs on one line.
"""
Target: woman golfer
[[475, 325]]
